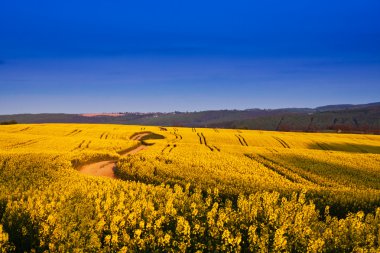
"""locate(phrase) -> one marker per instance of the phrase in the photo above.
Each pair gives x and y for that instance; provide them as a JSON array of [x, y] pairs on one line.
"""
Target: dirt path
[[136, 150], [106, 168]]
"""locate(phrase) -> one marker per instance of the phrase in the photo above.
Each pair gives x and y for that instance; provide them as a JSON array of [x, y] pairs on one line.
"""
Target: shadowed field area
[[346, 147]]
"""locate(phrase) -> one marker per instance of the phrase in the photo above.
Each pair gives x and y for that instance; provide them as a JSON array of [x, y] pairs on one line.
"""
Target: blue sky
[[108, 56]]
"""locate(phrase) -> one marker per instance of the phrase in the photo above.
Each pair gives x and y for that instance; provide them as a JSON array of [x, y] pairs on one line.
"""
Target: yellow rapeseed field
[[189, 190]]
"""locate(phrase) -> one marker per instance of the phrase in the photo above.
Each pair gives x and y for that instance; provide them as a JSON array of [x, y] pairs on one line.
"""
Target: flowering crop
[[196, 190]]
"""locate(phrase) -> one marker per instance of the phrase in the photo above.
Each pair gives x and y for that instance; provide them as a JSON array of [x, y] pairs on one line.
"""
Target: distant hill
[[343, 118], [345, 107]]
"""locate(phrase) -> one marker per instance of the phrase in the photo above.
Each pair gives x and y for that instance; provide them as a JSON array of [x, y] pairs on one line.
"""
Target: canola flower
[[196, 190]]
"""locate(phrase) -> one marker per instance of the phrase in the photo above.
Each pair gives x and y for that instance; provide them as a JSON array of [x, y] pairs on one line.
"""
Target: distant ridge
[[362, 118], [345, 107]]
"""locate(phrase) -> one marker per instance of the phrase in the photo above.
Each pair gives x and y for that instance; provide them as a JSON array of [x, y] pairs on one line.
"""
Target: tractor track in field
[[282, 142], [24, 129], [106, 168], [163, 150], [74, 132], [295, 176], [205, 142], [241, 139], [202, 140], [26, 143]]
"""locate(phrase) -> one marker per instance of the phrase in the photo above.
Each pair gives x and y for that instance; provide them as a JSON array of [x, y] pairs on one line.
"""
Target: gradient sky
[[110, 56]]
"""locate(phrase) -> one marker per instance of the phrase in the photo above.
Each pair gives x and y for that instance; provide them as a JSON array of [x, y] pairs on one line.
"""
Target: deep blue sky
[[105, 56]]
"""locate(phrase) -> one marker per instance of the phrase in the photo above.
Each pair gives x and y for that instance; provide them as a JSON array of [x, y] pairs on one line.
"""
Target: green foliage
[[10, 122]]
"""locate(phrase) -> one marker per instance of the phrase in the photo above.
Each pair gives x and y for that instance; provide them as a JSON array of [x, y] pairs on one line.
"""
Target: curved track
[[106, 168]]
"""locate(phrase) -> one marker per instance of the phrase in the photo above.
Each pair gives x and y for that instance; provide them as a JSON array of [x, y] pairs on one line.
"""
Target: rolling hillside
[[342, 118], [117, 188]]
